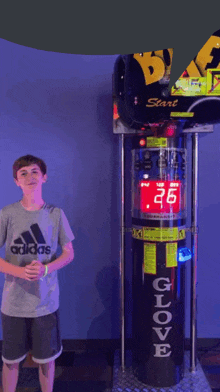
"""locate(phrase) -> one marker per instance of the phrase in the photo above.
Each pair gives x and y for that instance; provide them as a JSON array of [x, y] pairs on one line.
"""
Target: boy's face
[[29, 178]]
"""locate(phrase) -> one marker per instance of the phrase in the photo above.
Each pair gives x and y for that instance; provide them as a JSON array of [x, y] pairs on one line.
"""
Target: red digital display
[[160, 196]]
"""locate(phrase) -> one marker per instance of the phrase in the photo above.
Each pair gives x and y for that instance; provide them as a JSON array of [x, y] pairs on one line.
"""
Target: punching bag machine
[[156, 119]]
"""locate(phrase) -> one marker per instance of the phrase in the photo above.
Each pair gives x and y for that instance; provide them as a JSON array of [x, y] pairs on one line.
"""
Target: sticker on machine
[[156, 142], [198, 86], [189, 87], [137, 233], [160, 234], [182, 114], [213, 82], [171, 255], [150, 259], [157, 234]]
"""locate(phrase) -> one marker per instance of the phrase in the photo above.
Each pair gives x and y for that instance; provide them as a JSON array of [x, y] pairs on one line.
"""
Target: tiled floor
[[210, 362], [92, 372]]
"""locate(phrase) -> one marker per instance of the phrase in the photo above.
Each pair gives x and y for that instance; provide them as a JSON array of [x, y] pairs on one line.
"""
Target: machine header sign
[[142, 97]]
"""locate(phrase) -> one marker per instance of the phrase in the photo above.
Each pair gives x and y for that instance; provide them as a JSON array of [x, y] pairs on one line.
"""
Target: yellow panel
[[197, 86], [157, 234], [160, 234], [156, 142], [213, 82], [182, 114], [150, 260], [189, 87], [171, 255]]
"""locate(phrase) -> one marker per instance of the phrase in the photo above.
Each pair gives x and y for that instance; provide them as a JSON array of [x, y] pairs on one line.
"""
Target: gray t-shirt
[[28, 236]]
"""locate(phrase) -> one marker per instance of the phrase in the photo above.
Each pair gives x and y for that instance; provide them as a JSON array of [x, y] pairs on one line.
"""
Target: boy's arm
[[11, 269], [65, 258]]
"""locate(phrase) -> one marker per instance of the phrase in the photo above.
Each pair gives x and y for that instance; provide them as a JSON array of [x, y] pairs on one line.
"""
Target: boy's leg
[[10, 377], [46, 376], [47, 345]]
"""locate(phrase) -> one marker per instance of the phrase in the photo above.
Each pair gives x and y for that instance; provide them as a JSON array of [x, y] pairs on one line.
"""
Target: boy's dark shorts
[[39, 335]]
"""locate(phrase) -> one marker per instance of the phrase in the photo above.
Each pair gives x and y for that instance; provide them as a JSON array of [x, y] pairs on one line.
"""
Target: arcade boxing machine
[[157, 121]]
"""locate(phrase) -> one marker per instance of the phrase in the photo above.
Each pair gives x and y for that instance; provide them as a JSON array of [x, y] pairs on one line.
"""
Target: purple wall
[[59, 107]]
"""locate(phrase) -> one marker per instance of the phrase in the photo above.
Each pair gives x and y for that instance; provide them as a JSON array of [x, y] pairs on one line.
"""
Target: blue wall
[[59, 107]]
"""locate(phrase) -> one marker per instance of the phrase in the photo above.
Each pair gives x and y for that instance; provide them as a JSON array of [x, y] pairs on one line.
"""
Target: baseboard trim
[[110, 345]]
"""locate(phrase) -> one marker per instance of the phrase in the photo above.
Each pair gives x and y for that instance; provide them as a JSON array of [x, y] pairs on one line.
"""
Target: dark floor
[[92, 372], [74, 372], [210, 362]]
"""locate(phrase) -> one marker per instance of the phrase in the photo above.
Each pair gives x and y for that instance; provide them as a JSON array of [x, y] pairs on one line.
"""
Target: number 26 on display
[[154, 193], [171, 199]]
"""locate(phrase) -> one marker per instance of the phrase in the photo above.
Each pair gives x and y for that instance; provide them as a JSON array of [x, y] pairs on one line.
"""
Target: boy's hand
[[34, 271]]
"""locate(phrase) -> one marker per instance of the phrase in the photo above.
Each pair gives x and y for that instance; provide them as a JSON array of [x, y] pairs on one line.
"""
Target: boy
[[32, 229]]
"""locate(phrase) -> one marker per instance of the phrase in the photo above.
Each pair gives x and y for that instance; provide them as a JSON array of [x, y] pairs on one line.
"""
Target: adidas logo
[[29, 245]]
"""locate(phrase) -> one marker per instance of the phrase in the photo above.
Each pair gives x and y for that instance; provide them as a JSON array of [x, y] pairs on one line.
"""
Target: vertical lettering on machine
[[162, 350]]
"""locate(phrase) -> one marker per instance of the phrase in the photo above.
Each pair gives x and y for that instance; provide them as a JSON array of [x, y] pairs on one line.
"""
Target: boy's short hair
[[28, 160]]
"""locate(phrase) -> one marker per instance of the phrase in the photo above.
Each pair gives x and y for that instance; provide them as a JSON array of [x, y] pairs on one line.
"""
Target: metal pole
[[122, 269], [194, 245]]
